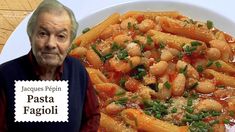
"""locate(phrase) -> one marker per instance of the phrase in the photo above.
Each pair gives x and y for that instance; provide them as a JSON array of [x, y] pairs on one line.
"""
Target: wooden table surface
[[12, 12]]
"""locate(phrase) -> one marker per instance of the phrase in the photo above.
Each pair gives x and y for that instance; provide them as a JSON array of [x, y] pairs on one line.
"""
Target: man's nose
[[51, 43]]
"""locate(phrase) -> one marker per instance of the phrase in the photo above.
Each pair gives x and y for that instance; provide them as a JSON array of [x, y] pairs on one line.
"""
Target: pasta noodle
[[173, 14], [190, 30], [84, 39], [146, 123], [173, 41], [111, 125], [221, 78]]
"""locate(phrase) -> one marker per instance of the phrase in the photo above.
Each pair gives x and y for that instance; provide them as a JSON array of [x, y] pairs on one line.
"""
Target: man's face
[[50, 40]]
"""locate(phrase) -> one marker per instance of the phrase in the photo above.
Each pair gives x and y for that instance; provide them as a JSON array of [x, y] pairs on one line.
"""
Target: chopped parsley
[[139, 72], [217, 64], [86, 30], [115, 46], [108, 56], [136, 41], [199, 68], [73, 47], [122, 82], [200, 126], [167, 85], [220, 86], [209, 24], [161, 45], [189, 109], [231, 113], [226, 121], [129, 25], [189, 102], [122, 101], [180, 55], [122, 54], [209, 63], [155, 108], [102, 58], [196, 43], [149, 40], [189, 49], [98, 53], [174, 110], [120, 93], [135, 27], [183, 70], [194, 85]]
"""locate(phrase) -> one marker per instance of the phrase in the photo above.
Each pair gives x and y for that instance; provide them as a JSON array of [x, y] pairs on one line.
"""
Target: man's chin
[[51, 63]]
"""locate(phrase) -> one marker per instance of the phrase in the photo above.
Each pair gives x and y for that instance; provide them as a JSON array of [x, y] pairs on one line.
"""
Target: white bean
[[159, 68], [226, 52], [166, 55], [191, 71], [173, 51], [133, 49], [213, 53], [163, 93], [146, 25], [128, 22], [208, 104], [114, 108], [122, 39], [205, 87], [178, 85]]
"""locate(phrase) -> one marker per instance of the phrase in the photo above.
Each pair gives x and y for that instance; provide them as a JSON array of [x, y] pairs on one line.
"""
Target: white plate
[[193, 11], [18, 43]]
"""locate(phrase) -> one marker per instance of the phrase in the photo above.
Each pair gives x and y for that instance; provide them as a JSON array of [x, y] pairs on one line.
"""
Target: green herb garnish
[[85, 30], [161, 45], [115, 46], [180, 55], [226, 121], [122, 82], [209, 24], [196, 43], [194, 85], [183, 70], [167, 85], [189, 102], [199, 68], [139, 73], [122, 101], [122, 54], [174, 110], [217, 64], [149, 40], [189, 49], [129, 25], [98, 53], [209, 63]]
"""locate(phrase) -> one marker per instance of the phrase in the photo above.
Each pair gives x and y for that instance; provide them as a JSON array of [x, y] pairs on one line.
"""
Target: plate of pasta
[[156, 68]]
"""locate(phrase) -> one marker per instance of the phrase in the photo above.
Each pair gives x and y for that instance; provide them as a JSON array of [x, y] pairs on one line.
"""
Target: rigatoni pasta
[[160, 71]]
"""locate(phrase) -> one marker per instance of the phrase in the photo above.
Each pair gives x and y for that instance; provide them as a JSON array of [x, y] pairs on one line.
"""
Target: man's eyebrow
[[43, 28], [63, 30], [60, 30]]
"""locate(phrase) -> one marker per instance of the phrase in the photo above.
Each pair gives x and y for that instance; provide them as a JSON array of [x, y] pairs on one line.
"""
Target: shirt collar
[[36, 68]]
